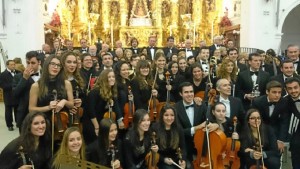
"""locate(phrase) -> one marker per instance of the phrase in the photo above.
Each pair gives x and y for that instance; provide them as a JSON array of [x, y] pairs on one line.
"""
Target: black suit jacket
[[236, 110], [6, 80], [212, 48], [295, 137], [278, 121], [149, 56], [136, 50], [199, 117], [195, 52], [244, 85], [167, 51], [21, 90], [241, 67]]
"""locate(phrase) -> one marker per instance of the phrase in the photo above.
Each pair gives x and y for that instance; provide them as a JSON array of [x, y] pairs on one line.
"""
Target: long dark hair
[[119, 78], [248, 133], [134, 135], [27, 139], [141, 80], [45, 79], [162, 134], [103, 142]]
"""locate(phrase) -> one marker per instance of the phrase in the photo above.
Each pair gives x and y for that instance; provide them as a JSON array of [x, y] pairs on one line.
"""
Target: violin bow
[[260, 146]]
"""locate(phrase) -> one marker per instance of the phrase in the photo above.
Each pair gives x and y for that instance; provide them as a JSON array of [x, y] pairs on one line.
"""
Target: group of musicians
[[159, 109]]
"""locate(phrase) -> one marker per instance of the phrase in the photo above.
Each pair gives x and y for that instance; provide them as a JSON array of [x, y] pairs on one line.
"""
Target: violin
[[233, 146], [154, 104], [129, 109], [152, 157], [259, 148], [75, 119], [213, 158], [60, 120], [162, 104], [112, 152], [110, 114], [25, 160]]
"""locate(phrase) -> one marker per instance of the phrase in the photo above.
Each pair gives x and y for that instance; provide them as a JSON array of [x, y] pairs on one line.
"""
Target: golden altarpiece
[[111, 20]]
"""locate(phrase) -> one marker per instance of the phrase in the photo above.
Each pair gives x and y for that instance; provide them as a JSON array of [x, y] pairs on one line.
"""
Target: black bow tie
[[253, 73], [296, 62], [272, 103], [35, 74], [189, 50], [186, 107], [203, 63], [298, 100]]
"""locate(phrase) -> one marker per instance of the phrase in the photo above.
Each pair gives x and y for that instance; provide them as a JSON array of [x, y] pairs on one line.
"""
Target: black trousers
[[9, 111]]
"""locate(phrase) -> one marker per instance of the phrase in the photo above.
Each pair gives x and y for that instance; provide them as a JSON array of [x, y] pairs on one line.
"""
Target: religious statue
[[165, 12], [210, 5], [186, 7], [55, 20], [225, 20], [94, 6], [140, 11], [115, 9]]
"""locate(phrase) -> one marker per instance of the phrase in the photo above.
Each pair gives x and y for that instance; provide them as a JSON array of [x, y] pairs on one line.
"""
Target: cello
[[129, 109], [213, 158], [152, 157], [232, 161]]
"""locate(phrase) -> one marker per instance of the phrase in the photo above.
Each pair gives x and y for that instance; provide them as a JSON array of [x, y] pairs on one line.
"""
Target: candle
[[212, 32], [112, 35], [170, 30], [90, 35]]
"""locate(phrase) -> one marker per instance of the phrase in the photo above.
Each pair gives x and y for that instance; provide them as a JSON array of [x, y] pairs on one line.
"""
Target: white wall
[[24, 28], [258, 24]]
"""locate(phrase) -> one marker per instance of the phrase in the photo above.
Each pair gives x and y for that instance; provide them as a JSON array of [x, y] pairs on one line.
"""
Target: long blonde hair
[[106, 92], [64, 150]]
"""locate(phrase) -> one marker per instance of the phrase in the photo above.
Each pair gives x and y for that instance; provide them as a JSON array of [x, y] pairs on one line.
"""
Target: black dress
[[135, 153], [96, 154], [10, 157], [141, 96]]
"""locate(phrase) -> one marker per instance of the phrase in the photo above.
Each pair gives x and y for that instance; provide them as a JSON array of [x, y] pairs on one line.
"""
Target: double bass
[[232, 161], [129, 109], [213, 157]]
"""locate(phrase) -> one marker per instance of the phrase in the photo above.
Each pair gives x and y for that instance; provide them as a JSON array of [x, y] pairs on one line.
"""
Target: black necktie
[[253, 73], [272, 103], [35, 74], [186, 107]]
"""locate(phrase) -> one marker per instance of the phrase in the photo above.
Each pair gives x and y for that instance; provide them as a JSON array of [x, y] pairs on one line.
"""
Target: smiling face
[[197, 73], [187, 94], [113, 131], [229, 67], [38, 126], [74, 142], [160, 62], [71, 64], [168, 118], [293, 89], [124, 71], [111, 78], [144, 124]]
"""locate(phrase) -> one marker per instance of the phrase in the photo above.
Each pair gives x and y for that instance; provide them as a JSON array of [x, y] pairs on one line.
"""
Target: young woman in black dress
[[107, 144], [170, 139], [137, 143], [31, 149]]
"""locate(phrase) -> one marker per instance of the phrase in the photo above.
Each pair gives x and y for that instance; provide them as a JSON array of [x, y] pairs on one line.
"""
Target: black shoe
[[10, 129]]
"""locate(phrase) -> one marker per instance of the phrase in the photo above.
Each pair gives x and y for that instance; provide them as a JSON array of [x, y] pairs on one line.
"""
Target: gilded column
[[105, 15], [174, 18], [158, 13], [123, 12], [197, 18]]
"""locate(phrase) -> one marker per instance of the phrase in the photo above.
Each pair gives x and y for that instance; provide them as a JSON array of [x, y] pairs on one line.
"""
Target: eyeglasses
[[52, 64], [255, 118]]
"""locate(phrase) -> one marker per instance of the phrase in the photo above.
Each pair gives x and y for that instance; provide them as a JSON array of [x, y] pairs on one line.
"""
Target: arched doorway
[[290, 28]]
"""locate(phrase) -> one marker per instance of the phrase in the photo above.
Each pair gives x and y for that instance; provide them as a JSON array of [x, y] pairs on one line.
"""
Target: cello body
[[218, 140]]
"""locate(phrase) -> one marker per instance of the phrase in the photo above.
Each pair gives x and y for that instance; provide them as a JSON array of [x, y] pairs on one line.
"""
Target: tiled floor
[[6, 136]]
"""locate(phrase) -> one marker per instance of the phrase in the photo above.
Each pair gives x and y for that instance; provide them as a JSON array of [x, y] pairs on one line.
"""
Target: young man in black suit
[[272, 109], [84, 47], [151, 49], [22, 83], [191, 117], [233, 55], [288, 70], [134, 46], [170, 48], [234, 106], [11, 104], [251, 82], [292, 86]]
